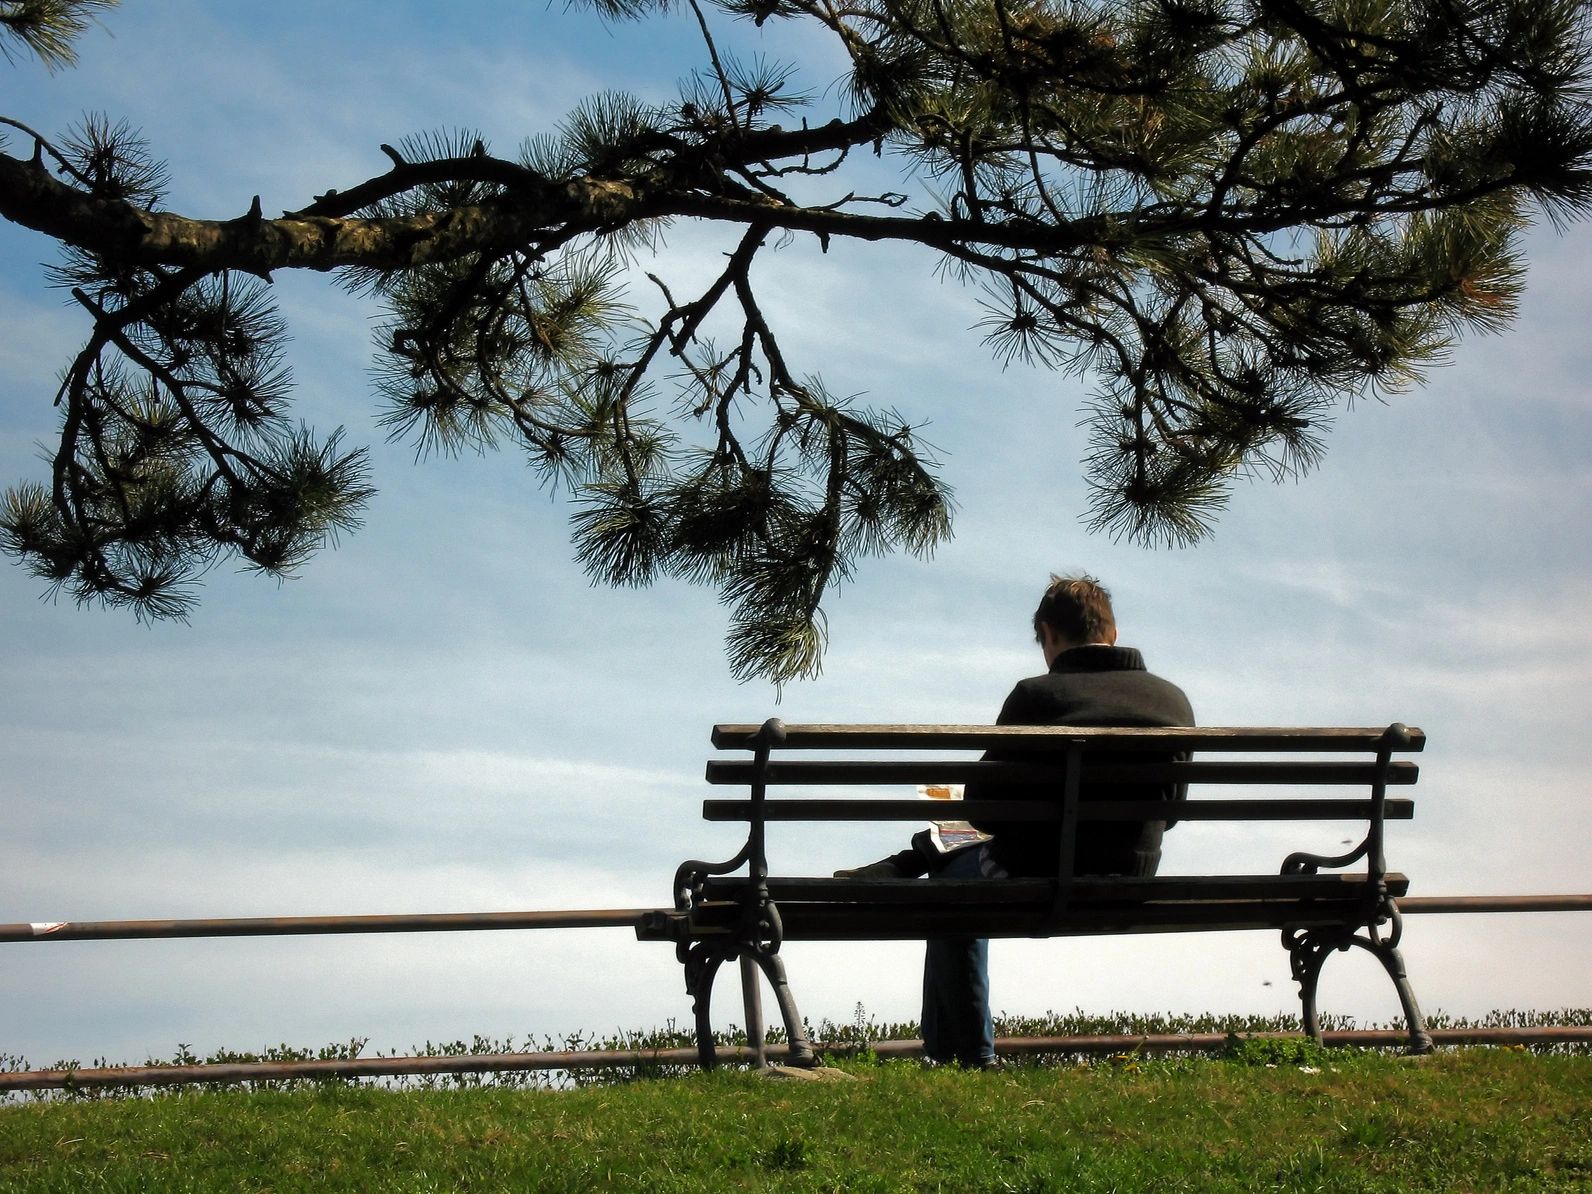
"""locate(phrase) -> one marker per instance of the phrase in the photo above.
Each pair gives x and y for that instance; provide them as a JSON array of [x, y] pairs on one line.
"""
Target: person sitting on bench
[[1090, 681]]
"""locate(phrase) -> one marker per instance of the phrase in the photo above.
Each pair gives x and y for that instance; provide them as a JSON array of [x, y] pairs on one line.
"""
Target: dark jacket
[[1086, 686]]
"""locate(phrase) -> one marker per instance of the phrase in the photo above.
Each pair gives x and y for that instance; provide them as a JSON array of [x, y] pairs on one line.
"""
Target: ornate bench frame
[[1318, 907]]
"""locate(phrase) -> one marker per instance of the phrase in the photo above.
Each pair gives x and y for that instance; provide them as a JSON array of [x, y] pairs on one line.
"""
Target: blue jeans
[[957, 1025]]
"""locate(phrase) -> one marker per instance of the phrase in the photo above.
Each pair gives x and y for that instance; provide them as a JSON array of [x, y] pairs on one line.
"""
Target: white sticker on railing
[[43, 928]]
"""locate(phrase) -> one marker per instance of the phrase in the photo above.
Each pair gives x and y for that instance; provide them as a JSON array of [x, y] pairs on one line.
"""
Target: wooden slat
[[1151, 908], [787, 890], [840, 922], [926, 771], [889, 891], [820, 736], [822, 920], [1394, 809]]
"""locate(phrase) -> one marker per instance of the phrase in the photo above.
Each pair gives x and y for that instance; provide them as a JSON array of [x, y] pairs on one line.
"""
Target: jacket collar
[[1098, 657]]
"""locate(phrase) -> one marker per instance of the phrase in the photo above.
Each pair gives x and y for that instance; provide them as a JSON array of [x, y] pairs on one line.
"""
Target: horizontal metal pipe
[[358, 1067], [1521, 903], [376, 1067], [1212, 1041], [1559, 1034], [572, 918], [284, 926]]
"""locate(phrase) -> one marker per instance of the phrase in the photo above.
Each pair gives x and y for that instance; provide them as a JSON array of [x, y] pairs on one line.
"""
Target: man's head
[[1074, 612]]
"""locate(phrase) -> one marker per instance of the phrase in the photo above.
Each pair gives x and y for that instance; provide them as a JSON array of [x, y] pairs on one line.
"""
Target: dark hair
[[1078, 609]]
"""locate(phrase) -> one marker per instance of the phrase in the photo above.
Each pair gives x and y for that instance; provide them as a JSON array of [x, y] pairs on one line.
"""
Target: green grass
[[1476, 1119]]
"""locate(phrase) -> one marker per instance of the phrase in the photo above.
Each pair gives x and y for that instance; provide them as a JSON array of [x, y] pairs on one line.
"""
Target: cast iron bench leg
[[801, 1049], [1308, 950], [752, 1001], [1393, 962], [702, 962]]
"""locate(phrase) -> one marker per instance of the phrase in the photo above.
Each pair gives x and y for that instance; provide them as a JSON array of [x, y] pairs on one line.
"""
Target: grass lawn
[[1477, 1119]]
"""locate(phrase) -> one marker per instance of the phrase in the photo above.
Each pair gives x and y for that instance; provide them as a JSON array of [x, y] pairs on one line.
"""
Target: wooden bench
[[1313, 900]]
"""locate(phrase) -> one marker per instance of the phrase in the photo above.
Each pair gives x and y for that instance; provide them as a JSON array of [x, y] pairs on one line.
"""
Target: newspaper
[[945, 836]]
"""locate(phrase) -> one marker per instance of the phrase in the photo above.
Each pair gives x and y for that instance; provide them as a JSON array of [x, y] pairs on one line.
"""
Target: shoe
[[885, 868], [906, 864]]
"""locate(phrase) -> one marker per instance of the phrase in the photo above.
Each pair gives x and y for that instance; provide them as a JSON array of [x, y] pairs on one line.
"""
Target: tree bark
[[118, 230]]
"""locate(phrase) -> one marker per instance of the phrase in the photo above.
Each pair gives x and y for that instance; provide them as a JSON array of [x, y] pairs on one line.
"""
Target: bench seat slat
[[1102, 889], [809, 924], [982, 737], [1292, 902], [925, 771], [1394, 809], [820, 922]]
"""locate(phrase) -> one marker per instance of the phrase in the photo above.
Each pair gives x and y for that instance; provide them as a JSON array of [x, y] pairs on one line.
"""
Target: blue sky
[[442, 714]]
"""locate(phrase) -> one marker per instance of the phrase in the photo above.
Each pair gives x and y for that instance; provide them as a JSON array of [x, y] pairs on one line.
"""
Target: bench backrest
[[1058, 759]]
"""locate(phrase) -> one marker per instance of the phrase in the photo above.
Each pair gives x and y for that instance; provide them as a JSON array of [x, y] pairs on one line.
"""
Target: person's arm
[[1016, 710]]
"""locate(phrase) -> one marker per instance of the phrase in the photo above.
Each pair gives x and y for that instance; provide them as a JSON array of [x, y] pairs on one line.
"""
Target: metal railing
[[113, 1077], [1519, 903], [293, 926], [569, 918], [370, 1067]]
